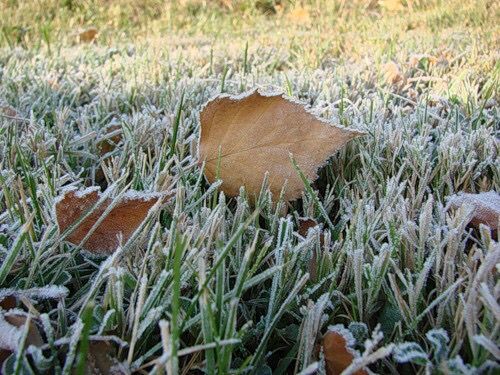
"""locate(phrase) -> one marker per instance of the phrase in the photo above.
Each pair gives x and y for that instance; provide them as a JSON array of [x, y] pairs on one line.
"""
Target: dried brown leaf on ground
[[256, 134], [101, 360], [11, 331], [392, 73], [88, 35], [486, 207], [337, 350], [8, 111], [8, 302], [111, 138], [119, 224]]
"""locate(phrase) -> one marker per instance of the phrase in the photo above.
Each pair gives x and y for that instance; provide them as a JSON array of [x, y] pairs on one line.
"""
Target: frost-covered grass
[[212, 283]]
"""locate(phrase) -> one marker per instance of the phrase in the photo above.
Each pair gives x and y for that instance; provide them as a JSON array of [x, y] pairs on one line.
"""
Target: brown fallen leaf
[[338, 352], [306, 223], [8, 302], [486, 207], [101, 359], [392, 74], [11, 331], [256, 134], [8, 111], [125, 217], [88, 35], [111, 138]]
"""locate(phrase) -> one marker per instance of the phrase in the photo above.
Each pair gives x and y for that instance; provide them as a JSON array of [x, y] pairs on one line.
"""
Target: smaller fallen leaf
[[8, 111], [121, 222], [102, 359], [88, 35], [11, 331], [306, 223], [8, 302], [337, 348], [486, 207], [392, 74], [111, 138]]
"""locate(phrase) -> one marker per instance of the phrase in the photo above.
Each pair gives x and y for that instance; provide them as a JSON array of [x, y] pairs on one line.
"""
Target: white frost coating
[[140, 195], [67, 340], [87, 191], [9, 335], [79, 193], [46, 292], [129, 195], [64, 191], [489, 199]]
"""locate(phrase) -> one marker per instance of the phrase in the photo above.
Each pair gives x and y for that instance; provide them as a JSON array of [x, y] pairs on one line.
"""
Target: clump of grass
[[215, 284]]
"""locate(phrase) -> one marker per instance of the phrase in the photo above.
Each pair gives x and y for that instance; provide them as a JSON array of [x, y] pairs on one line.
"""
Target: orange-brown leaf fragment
[[392, 74], [338, 354], [486, 207], [256, 134], [111, 139], [119, 225], [88, 35]]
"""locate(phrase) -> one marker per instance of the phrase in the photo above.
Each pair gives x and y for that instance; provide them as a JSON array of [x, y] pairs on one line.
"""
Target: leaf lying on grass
[[11, 331], [101, 359], [486, 207], [392, 74], [111, 138], [337, 350], [88, 35], [244, 137], [120, 223]]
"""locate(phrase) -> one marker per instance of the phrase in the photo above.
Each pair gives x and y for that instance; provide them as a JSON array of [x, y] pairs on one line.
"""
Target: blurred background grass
[[343, 23]]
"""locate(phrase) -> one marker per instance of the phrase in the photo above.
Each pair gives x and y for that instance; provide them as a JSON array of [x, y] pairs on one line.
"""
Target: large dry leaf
[[256, 134], [125, 217], [337, 352], [486, 207]]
